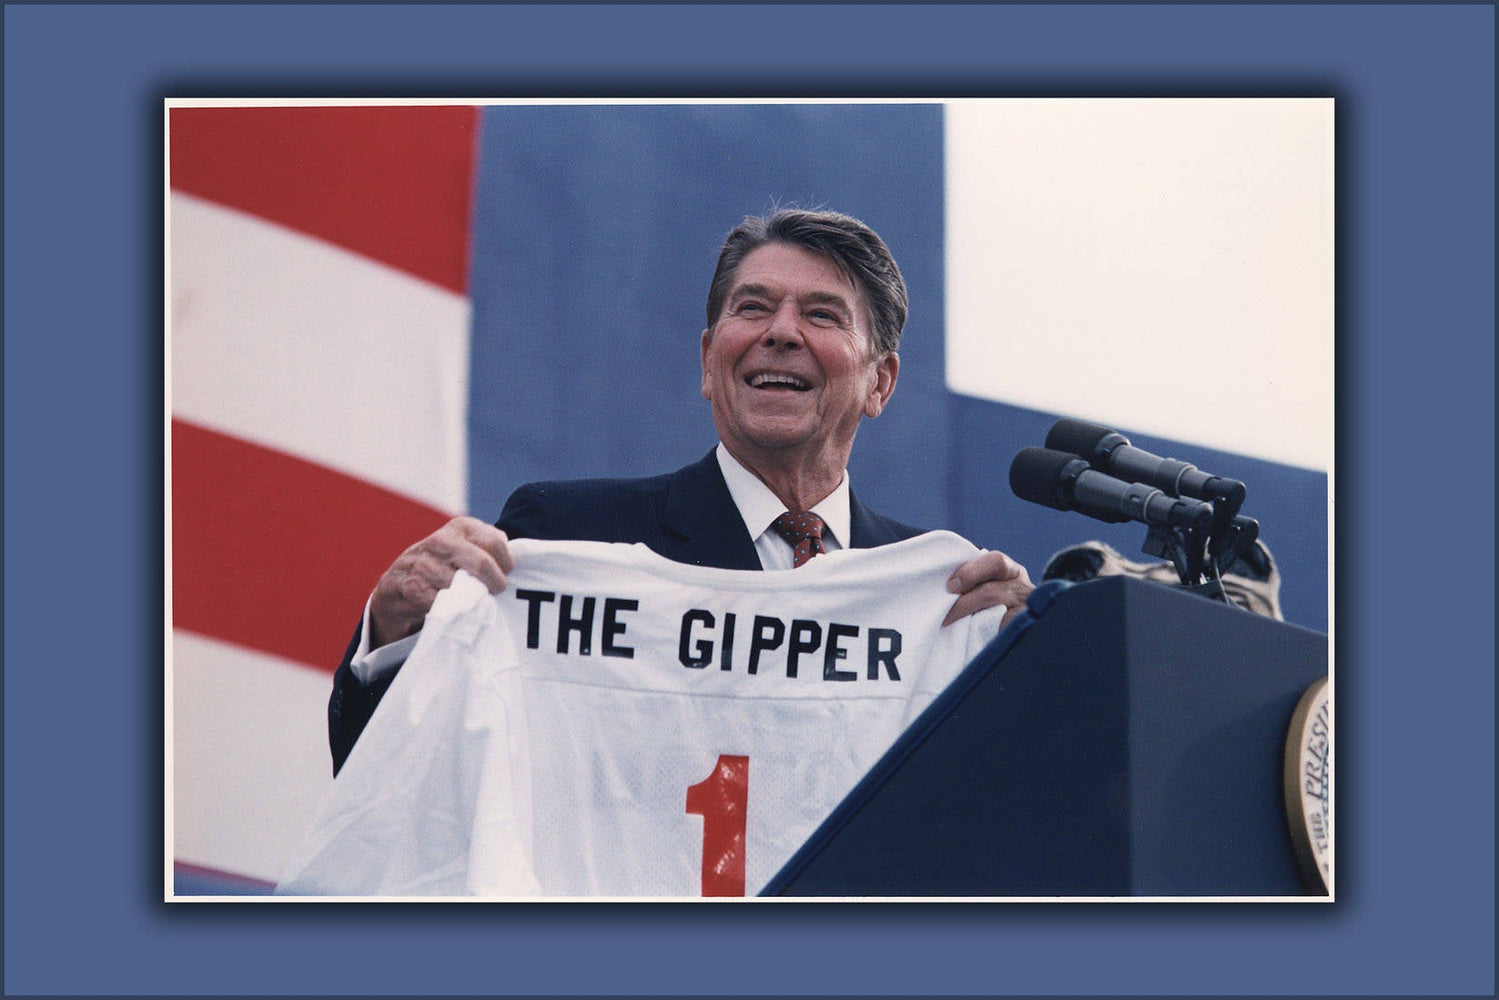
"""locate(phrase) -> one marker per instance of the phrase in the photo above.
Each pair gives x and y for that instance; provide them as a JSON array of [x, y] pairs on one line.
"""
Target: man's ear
[[707, 389], [886, 370]]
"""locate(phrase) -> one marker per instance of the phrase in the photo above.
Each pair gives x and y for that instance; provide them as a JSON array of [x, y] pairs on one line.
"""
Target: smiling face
[[787, 365]]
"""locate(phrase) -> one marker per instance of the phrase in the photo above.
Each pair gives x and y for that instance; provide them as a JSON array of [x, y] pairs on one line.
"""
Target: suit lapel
[[867, 529], [699, 522]]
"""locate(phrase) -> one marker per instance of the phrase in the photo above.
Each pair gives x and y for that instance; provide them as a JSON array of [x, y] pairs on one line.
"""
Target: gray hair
[[853, 247]]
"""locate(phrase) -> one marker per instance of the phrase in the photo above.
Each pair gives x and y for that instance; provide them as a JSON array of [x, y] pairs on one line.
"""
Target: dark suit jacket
[[687, 516]]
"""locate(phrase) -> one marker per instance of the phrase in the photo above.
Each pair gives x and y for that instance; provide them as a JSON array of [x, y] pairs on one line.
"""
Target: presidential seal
[[1308, 782]]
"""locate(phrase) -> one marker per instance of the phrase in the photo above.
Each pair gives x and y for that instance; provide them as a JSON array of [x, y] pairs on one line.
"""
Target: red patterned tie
[[804, 532]]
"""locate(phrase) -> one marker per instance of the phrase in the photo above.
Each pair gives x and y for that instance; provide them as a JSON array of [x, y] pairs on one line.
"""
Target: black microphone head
[[1043, 476], [1082, 438]]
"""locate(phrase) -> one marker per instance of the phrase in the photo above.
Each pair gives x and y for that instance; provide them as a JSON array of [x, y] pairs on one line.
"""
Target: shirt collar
[[759, 506]]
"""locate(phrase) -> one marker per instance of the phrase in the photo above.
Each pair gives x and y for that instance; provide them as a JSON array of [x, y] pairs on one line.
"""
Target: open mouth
[[777, 381]]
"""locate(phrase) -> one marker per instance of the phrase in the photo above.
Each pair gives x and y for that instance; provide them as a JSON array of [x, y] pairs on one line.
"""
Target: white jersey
[[616, 724]]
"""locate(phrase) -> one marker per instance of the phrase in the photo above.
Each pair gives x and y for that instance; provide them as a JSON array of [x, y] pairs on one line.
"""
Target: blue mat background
[[83, 537]]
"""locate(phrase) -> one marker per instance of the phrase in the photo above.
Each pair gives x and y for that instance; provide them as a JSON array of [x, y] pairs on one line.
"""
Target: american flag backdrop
[[380, 316]]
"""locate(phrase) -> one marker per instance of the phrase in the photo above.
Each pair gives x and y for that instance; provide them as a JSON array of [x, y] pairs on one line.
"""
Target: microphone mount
[[1194, 551]]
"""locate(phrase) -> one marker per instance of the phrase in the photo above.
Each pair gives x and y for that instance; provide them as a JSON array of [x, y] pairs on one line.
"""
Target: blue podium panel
[[1126, 740]]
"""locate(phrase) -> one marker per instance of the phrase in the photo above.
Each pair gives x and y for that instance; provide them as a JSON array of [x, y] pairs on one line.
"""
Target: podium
[[1118, 738]]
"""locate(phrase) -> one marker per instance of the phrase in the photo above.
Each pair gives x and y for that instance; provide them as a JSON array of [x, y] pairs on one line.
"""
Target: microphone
[[1109, 451], [1063, 481]]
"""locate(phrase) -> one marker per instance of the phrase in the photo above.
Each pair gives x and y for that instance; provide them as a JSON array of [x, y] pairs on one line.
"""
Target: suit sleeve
[[351, 704]]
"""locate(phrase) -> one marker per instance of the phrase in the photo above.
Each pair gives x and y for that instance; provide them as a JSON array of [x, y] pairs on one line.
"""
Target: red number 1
[[722, 800]]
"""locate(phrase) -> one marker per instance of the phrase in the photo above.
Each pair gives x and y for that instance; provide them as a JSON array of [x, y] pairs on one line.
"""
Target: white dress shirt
[[759, 507]]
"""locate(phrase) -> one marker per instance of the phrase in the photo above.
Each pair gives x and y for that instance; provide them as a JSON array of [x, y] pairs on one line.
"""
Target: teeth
[[775, 379]]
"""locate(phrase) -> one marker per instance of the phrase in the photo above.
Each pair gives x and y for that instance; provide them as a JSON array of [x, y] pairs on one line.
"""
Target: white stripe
[[323, 353], [249, 764], [1160, 265]]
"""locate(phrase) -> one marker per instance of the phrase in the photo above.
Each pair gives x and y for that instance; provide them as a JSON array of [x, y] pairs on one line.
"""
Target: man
[[804, 317]]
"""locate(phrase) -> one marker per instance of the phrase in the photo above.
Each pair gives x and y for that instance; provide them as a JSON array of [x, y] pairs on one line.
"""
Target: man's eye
[[823, 315], [752, 307]]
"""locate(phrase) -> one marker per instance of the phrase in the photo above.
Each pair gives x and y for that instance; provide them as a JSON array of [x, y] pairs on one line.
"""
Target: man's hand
[[987, 579], [405, 593]]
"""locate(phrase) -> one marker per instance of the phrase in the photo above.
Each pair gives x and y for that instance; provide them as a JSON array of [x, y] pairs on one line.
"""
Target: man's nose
[[785, 326]]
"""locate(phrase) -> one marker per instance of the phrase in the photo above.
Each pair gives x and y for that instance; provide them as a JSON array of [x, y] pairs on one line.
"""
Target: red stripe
[[392, 183], [277, 553], [225, 880]]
